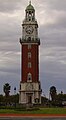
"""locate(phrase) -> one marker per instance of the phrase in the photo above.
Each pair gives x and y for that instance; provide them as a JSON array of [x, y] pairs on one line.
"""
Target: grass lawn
[[40, 111]]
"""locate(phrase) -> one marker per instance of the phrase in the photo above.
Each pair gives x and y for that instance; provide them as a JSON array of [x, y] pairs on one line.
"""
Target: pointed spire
[[30, 2]]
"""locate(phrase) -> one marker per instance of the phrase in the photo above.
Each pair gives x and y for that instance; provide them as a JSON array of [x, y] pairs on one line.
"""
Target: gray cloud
[[9, 6], [57, 4], [52, 4]]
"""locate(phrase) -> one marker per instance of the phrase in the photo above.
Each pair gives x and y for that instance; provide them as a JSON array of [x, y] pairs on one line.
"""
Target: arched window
[[29, 38], [29, 77]]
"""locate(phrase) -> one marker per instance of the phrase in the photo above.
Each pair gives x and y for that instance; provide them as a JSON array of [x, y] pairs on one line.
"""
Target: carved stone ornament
[[29, 87]]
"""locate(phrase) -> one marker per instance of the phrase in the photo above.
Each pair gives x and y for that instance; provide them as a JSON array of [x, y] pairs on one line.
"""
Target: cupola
[[30, 12]]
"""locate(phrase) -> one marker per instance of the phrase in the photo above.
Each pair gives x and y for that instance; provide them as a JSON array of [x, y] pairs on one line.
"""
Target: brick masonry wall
[[34, 70]]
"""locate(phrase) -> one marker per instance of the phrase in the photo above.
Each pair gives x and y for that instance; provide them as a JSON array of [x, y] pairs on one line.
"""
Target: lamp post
[[15, 95]]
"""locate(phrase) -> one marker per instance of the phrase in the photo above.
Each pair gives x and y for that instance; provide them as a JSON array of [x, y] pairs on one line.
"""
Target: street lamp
[[15, 95]]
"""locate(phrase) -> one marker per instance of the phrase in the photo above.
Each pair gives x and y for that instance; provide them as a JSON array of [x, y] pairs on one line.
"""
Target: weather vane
[[30, 2]]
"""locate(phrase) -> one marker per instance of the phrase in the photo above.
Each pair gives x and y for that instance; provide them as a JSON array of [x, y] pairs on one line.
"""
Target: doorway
[[29, 98]]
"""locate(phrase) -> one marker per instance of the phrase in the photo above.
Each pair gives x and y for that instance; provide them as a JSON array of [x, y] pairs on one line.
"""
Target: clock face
[[29, 29]]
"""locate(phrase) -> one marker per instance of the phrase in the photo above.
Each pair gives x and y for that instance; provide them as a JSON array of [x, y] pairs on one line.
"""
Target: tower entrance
[[29, 99]]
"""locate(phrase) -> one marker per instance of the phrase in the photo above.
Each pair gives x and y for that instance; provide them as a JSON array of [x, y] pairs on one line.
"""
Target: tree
[[44, 100], [53, 93], [1, 98], [61, 99], [6, 89]]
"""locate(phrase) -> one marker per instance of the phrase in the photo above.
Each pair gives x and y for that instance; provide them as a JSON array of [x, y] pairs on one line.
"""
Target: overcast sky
[[51, 17]]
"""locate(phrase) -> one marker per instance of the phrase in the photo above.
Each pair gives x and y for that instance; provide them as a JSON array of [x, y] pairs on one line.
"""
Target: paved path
[[32, 116], [32, 119]]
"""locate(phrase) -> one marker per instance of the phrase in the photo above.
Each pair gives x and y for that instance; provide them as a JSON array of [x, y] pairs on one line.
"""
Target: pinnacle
[[30, 2]]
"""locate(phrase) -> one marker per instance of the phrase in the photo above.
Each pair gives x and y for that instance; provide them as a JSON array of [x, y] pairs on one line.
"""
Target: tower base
[[30, 93]]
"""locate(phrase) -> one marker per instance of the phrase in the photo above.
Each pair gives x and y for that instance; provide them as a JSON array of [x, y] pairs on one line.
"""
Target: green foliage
[[9, 101], [6, 89], [44, 101], [53, 93], [59, 99], [1, 98]]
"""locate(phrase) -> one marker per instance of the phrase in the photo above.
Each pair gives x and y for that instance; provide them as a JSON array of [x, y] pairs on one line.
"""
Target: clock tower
[[30, 87]]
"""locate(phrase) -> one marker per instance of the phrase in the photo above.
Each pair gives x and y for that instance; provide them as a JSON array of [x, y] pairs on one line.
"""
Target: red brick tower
[[30, 88]]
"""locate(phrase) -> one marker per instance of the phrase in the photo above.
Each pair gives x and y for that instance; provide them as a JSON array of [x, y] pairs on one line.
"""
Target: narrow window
[[29, 46], [29, 64], [20, 87], [29, 19], [29, 12], [29, 55]]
